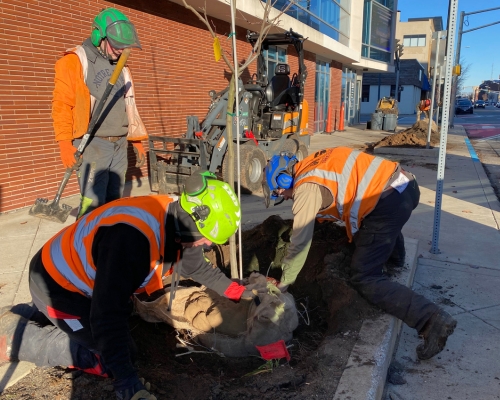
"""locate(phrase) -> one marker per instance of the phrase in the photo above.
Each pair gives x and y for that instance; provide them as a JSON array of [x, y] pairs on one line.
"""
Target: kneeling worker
[[374, 197], [83, 278]]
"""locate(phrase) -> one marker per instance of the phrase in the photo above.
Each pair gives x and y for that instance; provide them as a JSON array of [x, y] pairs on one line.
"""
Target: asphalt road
[[484, 124]]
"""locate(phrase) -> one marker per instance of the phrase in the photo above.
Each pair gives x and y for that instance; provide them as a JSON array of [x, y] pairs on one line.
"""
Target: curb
[[13, 372], [434, 152], [366, 370]]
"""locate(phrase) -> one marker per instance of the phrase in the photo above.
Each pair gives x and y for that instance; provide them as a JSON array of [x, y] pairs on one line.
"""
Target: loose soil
[[331, 314], [415, 136]]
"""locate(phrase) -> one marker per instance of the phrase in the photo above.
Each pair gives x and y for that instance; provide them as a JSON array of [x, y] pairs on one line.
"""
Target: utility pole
[[437, 36], [456, 69], [444, 127], [398, 53], [379, 81]]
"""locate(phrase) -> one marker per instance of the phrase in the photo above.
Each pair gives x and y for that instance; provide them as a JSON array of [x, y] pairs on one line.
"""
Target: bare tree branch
[[204, 19], [266, 25]]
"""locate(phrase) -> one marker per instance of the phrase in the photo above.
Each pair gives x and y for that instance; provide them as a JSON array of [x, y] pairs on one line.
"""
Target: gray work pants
[[377, 240], [102, 174]]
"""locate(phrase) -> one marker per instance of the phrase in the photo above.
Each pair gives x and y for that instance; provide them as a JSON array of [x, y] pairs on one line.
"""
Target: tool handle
[[97, 112], [64, 181]]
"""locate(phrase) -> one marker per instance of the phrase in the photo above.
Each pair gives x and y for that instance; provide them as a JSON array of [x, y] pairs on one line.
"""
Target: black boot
[[435, 332]]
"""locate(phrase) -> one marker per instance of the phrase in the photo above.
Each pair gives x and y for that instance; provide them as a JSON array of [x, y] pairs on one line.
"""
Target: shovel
[[52, 211]]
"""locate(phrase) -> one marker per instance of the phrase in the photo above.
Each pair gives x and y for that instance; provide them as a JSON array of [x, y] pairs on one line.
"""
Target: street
[[483, 124]]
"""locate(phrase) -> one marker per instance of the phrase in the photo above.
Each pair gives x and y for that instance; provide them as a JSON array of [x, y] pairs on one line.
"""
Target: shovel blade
[[52, 211]]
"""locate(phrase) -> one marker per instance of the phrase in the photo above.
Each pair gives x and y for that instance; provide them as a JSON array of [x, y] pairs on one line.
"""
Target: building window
[[377, 30], [414, 40], [387, 3], [273, 56], [365, 93], [330, 17]]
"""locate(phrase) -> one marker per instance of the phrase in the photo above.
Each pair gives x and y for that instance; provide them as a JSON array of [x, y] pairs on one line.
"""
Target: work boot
[[435, 333]]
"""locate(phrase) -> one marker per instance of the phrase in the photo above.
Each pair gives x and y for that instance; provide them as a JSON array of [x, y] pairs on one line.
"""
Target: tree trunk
[[230, 155]]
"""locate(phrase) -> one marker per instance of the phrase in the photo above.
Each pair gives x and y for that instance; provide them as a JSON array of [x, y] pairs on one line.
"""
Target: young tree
[[270, 18]]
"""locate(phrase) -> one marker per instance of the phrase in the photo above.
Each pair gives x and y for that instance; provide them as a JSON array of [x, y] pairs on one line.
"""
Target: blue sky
[[481, 48]]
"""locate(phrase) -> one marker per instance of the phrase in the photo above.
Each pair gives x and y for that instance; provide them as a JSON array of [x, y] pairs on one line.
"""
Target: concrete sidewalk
[[463, 278]]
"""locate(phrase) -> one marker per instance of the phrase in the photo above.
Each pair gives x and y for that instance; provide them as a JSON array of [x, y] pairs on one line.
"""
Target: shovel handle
[[62, 185], [97, 112]]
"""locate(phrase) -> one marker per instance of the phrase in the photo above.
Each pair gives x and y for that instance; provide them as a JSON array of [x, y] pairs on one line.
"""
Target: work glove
[[67, 153], [133, 388], [140, 154]]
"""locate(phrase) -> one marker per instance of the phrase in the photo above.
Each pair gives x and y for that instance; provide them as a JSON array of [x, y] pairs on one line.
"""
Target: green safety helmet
[[213, 205], [113, 25]]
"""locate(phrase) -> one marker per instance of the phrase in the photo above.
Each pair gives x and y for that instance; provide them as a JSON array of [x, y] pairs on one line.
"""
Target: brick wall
[[335, 92], [173, 75]]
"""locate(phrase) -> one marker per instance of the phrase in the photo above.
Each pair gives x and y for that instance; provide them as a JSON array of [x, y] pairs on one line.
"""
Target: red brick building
[[173, 75]]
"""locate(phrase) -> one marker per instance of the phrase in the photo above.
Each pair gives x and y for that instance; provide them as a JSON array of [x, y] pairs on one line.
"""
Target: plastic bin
[[390, 122], [377, 121]]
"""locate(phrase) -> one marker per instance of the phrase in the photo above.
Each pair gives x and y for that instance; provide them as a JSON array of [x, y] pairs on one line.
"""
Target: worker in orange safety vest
[[374, 198], [83, 279]]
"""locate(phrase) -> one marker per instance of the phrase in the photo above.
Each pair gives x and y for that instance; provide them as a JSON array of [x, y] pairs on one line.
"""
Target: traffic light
[[398, 52]]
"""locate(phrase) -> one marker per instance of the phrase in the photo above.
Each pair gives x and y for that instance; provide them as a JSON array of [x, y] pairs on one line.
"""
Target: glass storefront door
[[350, 96], [321, 95]]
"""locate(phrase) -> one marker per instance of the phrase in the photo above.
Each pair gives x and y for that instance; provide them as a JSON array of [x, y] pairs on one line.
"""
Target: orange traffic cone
[[328, 128], [342, 116]]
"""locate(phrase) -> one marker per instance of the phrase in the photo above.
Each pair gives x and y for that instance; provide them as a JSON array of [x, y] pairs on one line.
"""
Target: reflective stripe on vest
[[74, 243], [355, 193]]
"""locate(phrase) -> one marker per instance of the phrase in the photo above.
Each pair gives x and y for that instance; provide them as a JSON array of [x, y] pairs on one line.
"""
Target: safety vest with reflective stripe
[[355, 179], [67, 257]]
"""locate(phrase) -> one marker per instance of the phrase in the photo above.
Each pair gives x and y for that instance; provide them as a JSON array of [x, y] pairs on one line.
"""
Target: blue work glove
[[133, 388]]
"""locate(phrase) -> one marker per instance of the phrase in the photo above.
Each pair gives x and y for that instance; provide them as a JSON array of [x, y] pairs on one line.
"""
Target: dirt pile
[[330, 316], [415, 136]]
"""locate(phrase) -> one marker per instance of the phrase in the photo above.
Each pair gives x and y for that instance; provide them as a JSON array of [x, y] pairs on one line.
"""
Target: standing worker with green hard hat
[[82, 279], [81, 77]]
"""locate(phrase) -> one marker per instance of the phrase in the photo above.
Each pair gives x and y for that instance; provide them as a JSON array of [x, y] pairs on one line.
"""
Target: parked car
[[464, 106], [479, 103]]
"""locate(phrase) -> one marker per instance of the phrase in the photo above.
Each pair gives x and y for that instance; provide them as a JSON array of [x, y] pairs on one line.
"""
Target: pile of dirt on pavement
[[416, 136], [331, 314]]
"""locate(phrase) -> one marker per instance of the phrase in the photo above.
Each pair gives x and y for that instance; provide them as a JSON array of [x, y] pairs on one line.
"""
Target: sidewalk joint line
[[485, 308], [473, 267], [26, 263]]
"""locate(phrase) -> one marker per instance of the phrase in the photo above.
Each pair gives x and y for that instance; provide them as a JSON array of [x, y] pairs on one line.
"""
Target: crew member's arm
[[64, 96], [121, 254], [63, 101], [196, 267], [307, 202]]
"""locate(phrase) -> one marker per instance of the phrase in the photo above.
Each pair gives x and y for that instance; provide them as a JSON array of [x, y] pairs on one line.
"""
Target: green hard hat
[[113, 25], [213, 205]]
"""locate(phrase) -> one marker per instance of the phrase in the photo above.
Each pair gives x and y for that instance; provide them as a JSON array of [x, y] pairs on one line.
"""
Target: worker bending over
[[374, 198], [82, 279]]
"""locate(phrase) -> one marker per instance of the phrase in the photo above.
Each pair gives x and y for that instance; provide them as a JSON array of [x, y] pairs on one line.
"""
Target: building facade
[[174, 72], [412, 81], [416, 37]]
